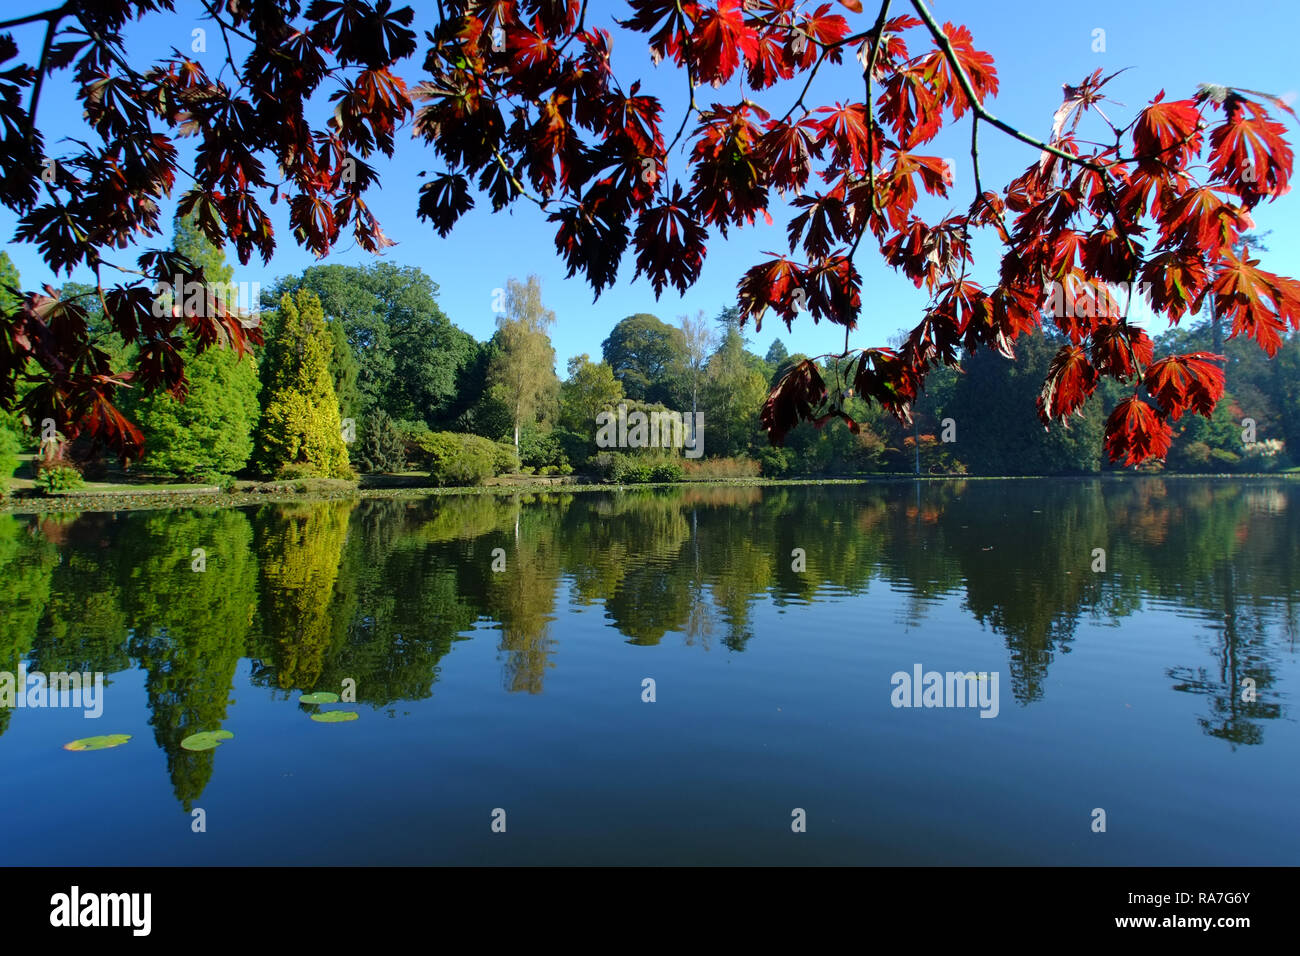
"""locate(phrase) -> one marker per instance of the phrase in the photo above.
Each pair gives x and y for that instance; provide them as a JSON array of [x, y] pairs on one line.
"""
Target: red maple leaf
[[1135, 432], [1071, 379], [1181, 383]]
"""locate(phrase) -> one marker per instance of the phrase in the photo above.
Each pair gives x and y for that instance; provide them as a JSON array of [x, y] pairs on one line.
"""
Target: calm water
[[522, 689]]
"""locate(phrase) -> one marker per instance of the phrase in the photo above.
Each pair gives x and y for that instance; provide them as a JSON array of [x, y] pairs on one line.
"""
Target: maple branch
[[875, 34], [230, 55], [980, 201], [826, 51], [582, 19], [1128, 304], [949, 54], [52, 24], [56, 14], [690, 108], [519, 187], [690, 82]]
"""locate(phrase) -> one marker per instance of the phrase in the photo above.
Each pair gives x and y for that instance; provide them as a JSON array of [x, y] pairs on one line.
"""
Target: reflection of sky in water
[[522, 689]]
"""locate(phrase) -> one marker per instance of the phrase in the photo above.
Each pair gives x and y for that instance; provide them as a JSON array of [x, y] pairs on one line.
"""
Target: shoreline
[[210, 497]]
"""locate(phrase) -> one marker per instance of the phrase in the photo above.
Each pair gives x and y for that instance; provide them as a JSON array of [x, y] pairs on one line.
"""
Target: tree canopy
[[519, 102]]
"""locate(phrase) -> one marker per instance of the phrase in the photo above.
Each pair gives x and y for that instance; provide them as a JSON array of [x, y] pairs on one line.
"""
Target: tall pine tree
[[301, 430]]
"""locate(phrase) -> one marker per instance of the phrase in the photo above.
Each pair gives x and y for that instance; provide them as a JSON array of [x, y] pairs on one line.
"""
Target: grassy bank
[[145, 496]]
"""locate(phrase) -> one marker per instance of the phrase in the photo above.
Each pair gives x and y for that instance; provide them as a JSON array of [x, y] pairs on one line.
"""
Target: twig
[[945, 45], [875, 35]]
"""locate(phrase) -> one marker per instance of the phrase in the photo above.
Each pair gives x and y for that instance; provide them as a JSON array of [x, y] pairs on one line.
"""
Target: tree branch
[[875, 36], [52, 24], [56, 14], [945, 45]]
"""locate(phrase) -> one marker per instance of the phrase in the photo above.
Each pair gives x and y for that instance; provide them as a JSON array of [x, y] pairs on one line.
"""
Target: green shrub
[[225, 482], [454, 459], [297, 470], [575, 448], [505, 460], [631, 470], [58, 478], [602, 465], [621, 468], [541, 448], [667, 471], [11, 443], [410, 430], [705, 469], [774, 462]]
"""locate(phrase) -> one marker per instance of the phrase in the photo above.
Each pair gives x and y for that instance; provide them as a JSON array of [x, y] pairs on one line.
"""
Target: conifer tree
[[301, 429]]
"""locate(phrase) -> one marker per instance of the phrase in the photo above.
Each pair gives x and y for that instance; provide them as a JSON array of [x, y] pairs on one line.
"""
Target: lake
[[686, 675]]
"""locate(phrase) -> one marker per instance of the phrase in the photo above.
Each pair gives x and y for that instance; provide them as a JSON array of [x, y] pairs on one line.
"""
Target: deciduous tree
[[522, 369], [519, 102]]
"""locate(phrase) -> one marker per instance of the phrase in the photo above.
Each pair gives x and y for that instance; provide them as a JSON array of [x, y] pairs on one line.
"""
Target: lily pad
[[335, 716], [206, 740], [103, 742], [319, 697]]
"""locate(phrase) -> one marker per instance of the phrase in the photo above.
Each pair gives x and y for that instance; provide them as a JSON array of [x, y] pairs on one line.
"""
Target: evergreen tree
[[382, 448], [344, 370], [301, 429], [210, 428], [1002, 439], [777, 354], [210, 431]]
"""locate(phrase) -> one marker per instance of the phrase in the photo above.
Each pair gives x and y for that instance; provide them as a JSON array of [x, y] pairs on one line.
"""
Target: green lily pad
[[103, 742], [206, 739], [335, 716], [319, 697]]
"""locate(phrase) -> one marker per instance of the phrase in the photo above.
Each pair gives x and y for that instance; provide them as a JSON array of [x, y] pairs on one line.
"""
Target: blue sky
[[1037, 47]]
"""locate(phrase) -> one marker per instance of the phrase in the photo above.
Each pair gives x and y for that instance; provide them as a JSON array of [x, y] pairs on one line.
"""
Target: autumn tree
[[301, 429], [522, 370], [519, 103]]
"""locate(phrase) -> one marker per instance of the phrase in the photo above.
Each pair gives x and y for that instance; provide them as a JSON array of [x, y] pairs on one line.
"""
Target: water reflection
[[379, 591]]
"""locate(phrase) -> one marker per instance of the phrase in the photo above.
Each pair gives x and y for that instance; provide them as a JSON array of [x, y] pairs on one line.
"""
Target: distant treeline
[[362, 371]]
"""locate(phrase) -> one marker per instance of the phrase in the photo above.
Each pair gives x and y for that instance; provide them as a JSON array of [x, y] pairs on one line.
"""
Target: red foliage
[[519, 101]]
